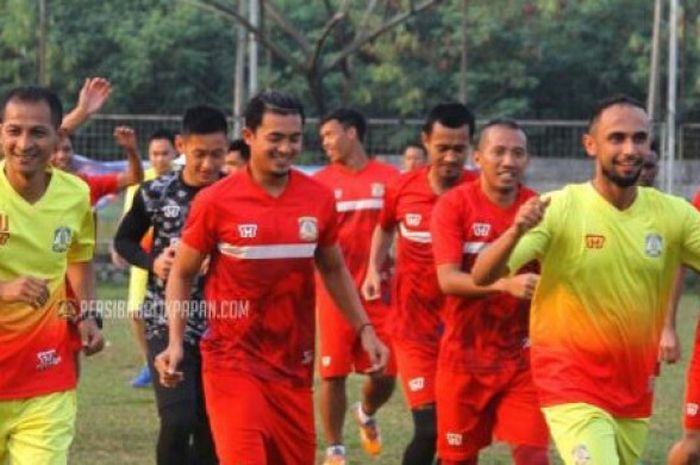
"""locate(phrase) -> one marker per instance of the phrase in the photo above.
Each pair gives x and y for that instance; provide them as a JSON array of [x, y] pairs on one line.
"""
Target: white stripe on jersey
[[268, 252], [362, 204], [424, 237], [474, 247]]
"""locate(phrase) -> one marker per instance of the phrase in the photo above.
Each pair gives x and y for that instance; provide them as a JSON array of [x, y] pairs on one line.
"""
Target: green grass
[[117, 424]]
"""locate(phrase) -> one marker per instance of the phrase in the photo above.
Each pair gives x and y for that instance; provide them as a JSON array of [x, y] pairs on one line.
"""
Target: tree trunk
[[315, 82]]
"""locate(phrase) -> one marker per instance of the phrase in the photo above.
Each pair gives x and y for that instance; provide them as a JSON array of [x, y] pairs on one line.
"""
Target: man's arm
[[378, 252], [132, 228], [82, 280], [669, 346], [339, 283], [92, 97], [126, 139], [491, 263], [188, 262], [454, 281]]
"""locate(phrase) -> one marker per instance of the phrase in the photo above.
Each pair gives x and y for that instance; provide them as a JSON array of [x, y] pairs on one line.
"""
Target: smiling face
[[619, 141], [204, 157], [502, 158], [28, 137], [337, 140], [447, 150], [274, 144]]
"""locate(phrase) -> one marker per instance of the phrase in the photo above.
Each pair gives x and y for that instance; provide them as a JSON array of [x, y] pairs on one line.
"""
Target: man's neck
[[30, 188], [273, 185], [440, 185], [356, 160], [620, 197], [502, 198]]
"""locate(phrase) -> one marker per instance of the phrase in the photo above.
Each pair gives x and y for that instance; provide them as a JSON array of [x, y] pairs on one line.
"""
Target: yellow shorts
[[588, 435], [38, 430]]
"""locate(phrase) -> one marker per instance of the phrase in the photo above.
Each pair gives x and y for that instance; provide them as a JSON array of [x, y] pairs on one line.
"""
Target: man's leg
[[203, 450], [687, 450], [143, 378], [421, 449], [292, 436], [43, 430], [333, 404]]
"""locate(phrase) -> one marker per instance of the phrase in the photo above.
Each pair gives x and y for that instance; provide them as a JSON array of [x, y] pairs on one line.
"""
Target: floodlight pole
[[654, 67], [239, 74], [671, 96], [254, 11]]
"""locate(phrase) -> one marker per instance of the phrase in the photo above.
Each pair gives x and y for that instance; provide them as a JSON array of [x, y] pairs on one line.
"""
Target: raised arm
[[125, 137], [378, 253], [340, 286], [92, 97], [491, 263]]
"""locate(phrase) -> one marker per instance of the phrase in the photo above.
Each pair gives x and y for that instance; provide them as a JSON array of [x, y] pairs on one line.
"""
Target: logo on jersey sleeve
[[308, 228], [595, 241], [377, 189], [247, 231], [413, 219], [61, 239], [4, 229], [68, 310], [416, 384], [481, 229], [653, 245], [47, 359]]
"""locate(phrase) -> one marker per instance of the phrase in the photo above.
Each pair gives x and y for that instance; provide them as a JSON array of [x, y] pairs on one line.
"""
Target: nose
[[24, 141]]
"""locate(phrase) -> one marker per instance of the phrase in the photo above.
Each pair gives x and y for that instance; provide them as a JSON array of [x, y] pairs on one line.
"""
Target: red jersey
[[359, 196], [696, 200], [408, 206], [487, 333], [100, 185], [260, 285]]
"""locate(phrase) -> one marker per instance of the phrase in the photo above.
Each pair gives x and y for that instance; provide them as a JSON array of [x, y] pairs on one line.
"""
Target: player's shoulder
[[383, 167], [310, 184], [409, 178], [67, 182], [662, 202], [160, 183], [463, 194]]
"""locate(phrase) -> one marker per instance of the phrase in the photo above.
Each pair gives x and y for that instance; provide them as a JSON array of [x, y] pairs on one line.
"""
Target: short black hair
[[203, 119], [162, 134], [274, 102], [416, 145], [604, 104], [35, 94], [453, 115], [348, 117], [239, 145], [502, 122]]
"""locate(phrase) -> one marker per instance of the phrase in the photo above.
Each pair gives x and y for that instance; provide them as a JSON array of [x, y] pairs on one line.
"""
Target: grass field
[[117, 424]]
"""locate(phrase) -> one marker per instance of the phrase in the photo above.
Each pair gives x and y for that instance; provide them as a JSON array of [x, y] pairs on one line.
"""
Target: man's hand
[[90, 334], [28, 289], [117, 260], [372, 285], [669, 346], [125, 137], [530, 214], [166, 364], [164, 262], [93, 95], [522, 286], [376, 350]]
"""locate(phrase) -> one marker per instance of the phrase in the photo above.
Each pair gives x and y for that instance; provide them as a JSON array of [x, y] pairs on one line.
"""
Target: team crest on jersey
[[4, 229], [481, 229], [61, 239], [247, 231], [595, 241], [413, 219], [308, 228], [171, 211], [653, 245], [377, 189], [67, 310], [581, 455]]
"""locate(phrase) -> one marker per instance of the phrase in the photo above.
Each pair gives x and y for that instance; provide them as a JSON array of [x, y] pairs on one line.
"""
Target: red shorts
[[340, 348], [417, 364], [474, 408], [691, 407], [259, 423]]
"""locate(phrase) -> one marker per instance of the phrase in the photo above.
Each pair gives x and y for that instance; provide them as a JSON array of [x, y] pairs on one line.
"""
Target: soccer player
[[163, 204], [484, 386], [161, 153], [414, 156], [46, 234], [408, 205], [650, 166], [265, 229], [609, 252], [358, 183], [237, 156]]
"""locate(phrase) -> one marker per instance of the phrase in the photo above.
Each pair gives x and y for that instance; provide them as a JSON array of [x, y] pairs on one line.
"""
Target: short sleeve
[[83, 244], [690, 253], [102, 185], [387, 216], [200, 227], [447, 229], [329, 227], [534, 244], [696, 200]]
